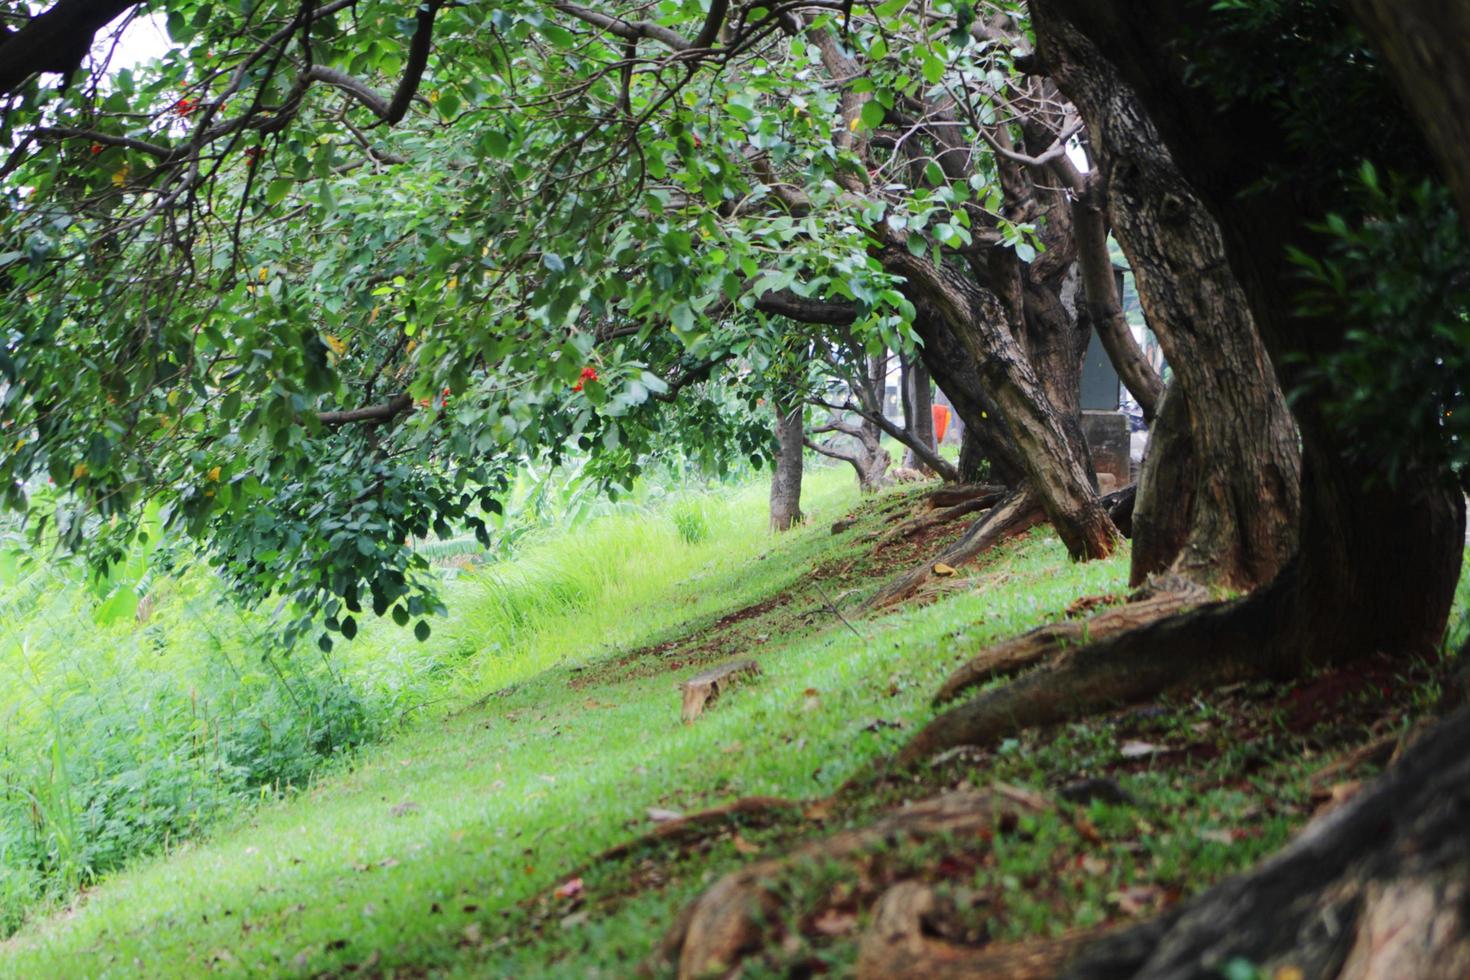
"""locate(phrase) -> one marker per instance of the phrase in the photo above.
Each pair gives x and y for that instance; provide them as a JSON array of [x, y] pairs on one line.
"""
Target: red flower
[[185, 106], [577, 386], [589, 374], [97, 148]]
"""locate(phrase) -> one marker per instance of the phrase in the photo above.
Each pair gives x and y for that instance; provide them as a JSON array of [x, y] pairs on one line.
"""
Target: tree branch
[[56, 40], [627, 30], [399, 404]]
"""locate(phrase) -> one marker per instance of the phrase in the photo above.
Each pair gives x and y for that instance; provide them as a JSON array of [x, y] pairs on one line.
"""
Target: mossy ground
[[442, 852]]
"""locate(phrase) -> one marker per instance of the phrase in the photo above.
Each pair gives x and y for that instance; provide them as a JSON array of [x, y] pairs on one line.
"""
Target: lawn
[[467, 846]]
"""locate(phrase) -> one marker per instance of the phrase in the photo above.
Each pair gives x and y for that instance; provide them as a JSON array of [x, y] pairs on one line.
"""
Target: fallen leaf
[[1094, 865], [471, 933], [404, 809], [569, 889], [744, 846], [1137, 750], [1226, 837], [821, 810], [940, 568], [575, 919], [659, 815]]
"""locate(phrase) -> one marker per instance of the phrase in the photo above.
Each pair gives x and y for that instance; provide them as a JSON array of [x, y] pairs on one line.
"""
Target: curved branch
[[399, 404], [626, 29]]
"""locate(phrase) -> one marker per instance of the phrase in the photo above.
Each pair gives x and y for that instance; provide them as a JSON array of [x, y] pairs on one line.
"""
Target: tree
[[1372, 573], [1218, 495]]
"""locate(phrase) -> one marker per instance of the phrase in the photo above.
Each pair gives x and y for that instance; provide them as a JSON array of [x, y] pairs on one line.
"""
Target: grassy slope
[[431, 852]]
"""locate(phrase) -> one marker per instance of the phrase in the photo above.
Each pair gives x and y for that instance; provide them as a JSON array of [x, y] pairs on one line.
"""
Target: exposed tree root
[[955, 494], [731, 919], [1014, 514], [935, 518], [1018, 653], [1214, 643], [1017, 513], [749, 809], [896, 947], [1378, 888]]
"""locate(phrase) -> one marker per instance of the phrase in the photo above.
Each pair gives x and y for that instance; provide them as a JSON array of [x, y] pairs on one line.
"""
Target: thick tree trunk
[[1377, 565], [786, 473], [919, 401], [1104, 305], [1054, 335], [1231, 433], [1056, 472], [986, 439], [1165, 505], [1378, 888], [973, 465]]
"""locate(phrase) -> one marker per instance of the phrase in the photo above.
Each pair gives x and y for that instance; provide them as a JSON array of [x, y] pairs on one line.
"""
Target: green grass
[[416, 854], [431, 852]]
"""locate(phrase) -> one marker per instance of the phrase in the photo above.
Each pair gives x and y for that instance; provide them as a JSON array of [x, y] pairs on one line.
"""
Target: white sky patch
[[143, 39]]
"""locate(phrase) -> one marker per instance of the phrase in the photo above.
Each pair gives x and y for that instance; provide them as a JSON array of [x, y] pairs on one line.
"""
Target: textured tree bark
[[1378, 888], [1104, 305], [1164, 507], [1225, 469], [986, 449], [786, 473], [920, 403], [1372, 574], [1052, 451]]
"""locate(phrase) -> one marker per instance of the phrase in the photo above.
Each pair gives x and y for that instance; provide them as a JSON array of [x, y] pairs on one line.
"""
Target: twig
[[838, 612]]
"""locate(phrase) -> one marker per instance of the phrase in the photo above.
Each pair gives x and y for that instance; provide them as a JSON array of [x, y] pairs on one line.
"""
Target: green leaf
[[421, 630], [872, 114], [277, 190]]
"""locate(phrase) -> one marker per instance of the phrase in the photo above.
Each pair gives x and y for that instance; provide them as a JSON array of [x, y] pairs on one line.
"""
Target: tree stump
[[702, 689]]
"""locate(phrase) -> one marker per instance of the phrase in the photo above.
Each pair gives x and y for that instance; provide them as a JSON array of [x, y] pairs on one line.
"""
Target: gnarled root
[[1017, 513], [954, 494], [895, 947], [935, 518], [1378, 888], [731, 919], [1018, 653], [748, 810], [1215, 643]]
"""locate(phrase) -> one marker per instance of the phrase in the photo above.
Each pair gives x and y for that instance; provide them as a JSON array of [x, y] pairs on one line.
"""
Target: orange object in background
[[940, 414]]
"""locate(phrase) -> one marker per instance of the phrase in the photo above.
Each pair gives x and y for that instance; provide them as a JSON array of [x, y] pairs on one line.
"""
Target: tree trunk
[[1231, 433], [1049, 448], [786, 473], [973, 465], [1379, 888], [1377, 564], [1104, 305], [986, 448], [1165, 503], [920, 404]]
